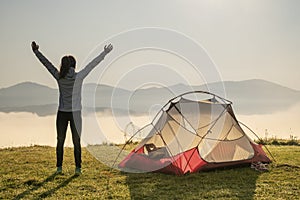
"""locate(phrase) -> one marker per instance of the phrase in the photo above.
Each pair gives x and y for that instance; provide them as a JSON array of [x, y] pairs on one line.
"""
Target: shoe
[[59, 170], [77, 171], [259, 166]]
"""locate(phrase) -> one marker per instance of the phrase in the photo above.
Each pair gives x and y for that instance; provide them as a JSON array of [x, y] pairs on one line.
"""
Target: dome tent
[[193, 132]]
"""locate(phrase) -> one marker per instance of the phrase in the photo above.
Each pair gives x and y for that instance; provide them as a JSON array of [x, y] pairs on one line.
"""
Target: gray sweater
[[70, 86]]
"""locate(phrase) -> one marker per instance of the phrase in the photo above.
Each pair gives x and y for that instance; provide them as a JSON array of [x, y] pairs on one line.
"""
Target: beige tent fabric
[[207, 124], [226, 151]]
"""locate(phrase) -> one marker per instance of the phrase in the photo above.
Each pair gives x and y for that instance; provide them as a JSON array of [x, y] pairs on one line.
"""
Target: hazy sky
[[246, 39]]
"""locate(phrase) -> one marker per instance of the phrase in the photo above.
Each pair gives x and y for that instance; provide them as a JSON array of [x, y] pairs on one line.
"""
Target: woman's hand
[[108, 48], [34, 46]]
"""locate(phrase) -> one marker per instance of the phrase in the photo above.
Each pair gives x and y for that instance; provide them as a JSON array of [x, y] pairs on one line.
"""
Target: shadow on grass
[[238, 183], [53, 190], [37, 185]]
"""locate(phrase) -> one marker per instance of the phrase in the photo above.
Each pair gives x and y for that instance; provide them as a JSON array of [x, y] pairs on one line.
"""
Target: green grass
[[275, 141], [27, 173]]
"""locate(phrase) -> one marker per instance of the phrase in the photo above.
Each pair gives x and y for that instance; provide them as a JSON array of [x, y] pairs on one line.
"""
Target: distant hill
[[249, 97], [27, 94], [258, 96]]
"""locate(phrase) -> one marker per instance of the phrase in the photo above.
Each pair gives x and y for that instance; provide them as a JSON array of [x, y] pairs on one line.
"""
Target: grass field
[[28, 173]]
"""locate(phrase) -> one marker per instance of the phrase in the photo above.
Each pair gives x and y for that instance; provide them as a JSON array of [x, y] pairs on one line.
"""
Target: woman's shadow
[[36, 185]]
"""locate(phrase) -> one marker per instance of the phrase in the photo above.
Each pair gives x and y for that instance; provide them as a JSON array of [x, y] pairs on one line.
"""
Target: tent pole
[[159, 133], [257, 138]]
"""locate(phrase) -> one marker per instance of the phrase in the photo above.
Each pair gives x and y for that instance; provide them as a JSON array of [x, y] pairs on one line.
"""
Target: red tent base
[[186, 162]]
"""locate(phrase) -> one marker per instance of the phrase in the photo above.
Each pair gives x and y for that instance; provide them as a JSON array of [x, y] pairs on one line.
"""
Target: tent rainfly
[[194, 131]]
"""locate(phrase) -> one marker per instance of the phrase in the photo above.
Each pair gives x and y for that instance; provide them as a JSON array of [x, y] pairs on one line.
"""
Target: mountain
[[27, 94], [258, 96], [249, 97]]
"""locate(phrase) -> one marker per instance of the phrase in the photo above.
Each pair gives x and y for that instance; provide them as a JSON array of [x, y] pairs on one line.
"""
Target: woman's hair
[[65, 66], [72, 61], [66, 63]]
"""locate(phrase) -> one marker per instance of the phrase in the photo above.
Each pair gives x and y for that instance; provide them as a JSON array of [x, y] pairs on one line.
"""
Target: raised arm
[[85, 71], [50, 67]]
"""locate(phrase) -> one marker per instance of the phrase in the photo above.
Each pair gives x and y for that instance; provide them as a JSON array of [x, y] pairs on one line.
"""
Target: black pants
[[62, 120]]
